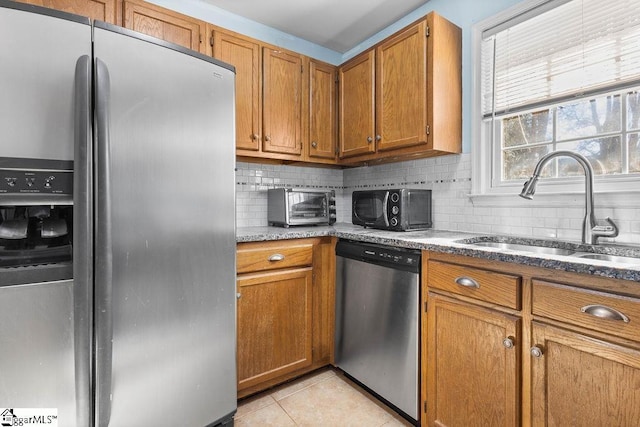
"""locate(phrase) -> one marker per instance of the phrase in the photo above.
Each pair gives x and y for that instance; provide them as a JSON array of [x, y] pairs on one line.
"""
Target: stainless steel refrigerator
[[137, 327]]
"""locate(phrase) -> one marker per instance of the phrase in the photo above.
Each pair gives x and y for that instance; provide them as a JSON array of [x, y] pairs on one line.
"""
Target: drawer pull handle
[[536, 351], [276, 257], [604, 312], [467, 282]]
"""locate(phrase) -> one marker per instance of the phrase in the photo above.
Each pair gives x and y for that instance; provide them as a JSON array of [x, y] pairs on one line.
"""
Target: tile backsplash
[[254, 179], [449, 178]]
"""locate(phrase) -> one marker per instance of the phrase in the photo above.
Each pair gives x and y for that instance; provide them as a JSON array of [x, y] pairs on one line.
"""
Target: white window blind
[[581, 47]]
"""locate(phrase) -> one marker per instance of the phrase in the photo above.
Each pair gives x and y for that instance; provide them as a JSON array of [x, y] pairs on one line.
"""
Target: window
[[558, 75]]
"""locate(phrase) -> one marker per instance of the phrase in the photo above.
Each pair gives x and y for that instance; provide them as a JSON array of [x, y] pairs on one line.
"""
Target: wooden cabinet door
[[357, 108], [244, 54], [282, 102], [164, 24], [401, 89], [322, 110], [274, 324], [101, 10], [472, 377], [581, 381]]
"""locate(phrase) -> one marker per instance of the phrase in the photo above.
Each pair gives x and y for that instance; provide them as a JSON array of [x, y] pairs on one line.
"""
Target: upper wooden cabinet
[[323, 117], [357, 105], [275, 120], [102, 10], [401, 88], [403, 98], [282, 103], [244, 54], [165, 24]]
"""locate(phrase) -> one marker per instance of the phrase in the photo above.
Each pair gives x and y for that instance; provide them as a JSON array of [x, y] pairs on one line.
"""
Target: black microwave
[[398, 210]]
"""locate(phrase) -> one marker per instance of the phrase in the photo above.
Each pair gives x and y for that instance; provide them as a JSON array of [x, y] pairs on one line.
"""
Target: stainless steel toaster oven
[[288, 206]]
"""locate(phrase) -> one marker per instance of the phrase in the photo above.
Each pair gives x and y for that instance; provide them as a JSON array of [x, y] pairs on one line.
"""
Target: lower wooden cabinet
[[274, 324], [516, 345], [473, 365], [285, 310], [581, 381]]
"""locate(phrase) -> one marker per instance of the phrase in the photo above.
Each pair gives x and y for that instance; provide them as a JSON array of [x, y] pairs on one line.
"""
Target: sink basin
[[618, 254], [607, 257], [526, 248]]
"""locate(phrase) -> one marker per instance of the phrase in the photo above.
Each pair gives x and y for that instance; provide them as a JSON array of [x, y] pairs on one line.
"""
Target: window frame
[[486, 154]]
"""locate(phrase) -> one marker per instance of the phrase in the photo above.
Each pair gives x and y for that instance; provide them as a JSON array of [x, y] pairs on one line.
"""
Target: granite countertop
[[453, 242]]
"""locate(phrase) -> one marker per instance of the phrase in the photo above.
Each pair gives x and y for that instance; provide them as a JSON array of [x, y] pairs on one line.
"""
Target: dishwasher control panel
[[405, 259], [385, 255]]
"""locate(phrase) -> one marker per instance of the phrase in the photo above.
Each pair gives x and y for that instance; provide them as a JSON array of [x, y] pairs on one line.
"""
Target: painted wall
[[214, 15]]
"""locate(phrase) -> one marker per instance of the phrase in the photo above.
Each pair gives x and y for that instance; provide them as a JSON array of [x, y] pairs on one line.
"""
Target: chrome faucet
[[591, 231]]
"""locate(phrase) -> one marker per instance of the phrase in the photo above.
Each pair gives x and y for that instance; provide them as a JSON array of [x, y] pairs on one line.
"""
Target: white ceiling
[[338, 25]]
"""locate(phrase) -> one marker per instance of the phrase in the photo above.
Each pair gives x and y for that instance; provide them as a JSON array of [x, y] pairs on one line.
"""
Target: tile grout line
[[286, 412], [304, 388]]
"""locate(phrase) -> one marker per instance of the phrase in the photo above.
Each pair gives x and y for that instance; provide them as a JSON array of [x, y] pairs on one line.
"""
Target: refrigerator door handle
[[103, 248], [83, 238]]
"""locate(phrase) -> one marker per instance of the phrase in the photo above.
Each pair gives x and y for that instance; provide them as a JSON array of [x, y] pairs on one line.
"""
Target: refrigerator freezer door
[[44, 327], [170, 211], [37, 62]]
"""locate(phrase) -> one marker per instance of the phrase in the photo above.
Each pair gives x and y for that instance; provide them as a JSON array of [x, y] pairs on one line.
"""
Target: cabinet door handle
[[536, 351], [467, 282], [369, 139], [378, 137], [267, 138], [604, 312], [314, 144], [276, 257], [508, 342], [238, 295], [255, 137]]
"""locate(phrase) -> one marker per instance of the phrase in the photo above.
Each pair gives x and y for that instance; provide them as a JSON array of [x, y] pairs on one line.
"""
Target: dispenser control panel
[[14, 181]]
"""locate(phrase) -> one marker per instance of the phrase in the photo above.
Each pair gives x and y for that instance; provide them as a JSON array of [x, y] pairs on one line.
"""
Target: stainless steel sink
[[525, 248], [607, 257], [614, 253]]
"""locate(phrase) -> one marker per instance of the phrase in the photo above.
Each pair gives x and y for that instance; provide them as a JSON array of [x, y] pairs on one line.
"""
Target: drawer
[[586, 308], [497, 288], [273, 255]]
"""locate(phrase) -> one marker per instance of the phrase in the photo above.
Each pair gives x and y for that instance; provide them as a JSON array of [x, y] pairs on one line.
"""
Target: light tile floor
[[322, 398]]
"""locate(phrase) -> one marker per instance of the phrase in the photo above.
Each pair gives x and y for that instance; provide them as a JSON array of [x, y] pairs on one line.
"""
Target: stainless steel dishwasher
[[377, 320]]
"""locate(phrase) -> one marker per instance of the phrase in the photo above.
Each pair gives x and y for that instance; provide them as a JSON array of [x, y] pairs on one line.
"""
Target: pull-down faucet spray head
[[529, 188]]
